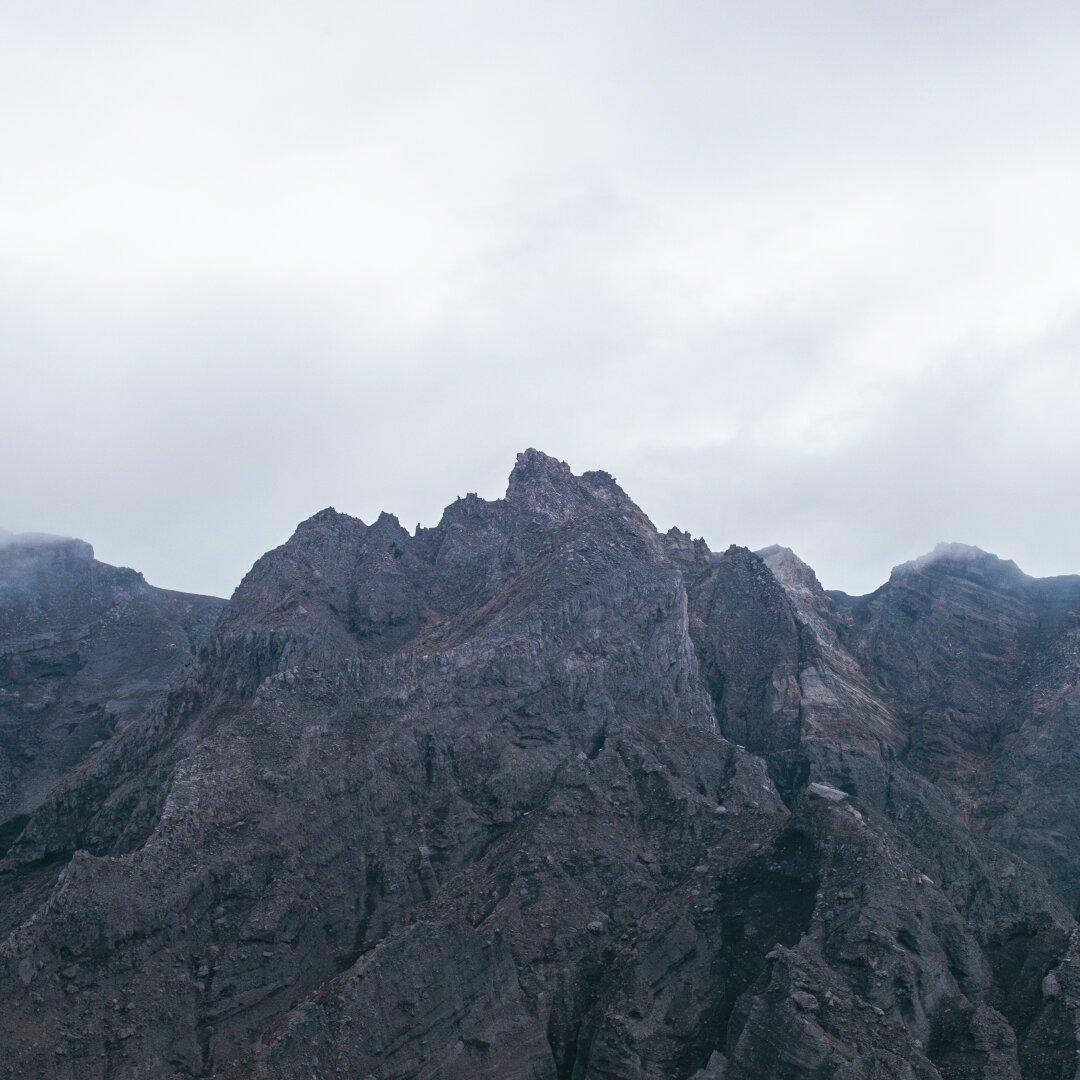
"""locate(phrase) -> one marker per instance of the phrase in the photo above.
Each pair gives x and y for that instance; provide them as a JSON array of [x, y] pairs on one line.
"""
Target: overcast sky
[[805, 273]]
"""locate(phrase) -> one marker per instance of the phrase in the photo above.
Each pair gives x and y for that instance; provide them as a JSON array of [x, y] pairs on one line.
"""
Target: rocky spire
[[545, 487]]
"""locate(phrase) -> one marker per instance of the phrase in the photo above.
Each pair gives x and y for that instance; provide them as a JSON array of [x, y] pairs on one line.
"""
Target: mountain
[[85, 648], [542, 793], [981, 662]]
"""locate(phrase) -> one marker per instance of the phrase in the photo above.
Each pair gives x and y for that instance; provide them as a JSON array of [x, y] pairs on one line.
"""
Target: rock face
[[85, 648], [541, 793], [982, 663]]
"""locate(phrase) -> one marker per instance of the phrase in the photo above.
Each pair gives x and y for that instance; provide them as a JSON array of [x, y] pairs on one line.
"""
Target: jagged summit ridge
[[535, 470], [547, 488]]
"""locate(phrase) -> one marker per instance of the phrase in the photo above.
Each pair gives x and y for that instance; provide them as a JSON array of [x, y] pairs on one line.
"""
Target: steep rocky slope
[[982, 663], [541, 793], [84, 649]]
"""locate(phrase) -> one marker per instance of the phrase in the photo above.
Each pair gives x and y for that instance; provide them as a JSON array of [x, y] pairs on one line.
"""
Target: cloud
[[979, 451], [792, 274]]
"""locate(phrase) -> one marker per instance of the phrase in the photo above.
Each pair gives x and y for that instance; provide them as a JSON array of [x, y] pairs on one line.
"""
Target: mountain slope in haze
[[85, 648], [982, 661], [542, 793]]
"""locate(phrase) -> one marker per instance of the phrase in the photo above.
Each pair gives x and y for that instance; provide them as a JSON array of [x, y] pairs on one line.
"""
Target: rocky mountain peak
[[964, 561], [795, 575], [325, 526], [85, 647], [15, 546], [533, 467], [48, 579], [685, 550], [387, 525], [277, 599], [545, 487]]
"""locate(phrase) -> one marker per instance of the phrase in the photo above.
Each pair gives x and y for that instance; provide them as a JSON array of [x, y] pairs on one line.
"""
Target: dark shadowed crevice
[[790, 773], [10, 831], [770, 902], [599, 741], [574, 1021], [1021, 957]]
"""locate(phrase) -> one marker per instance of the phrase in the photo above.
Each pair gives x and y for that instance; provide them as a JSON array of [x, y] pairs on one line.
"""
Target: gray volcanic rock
[[85, 648], [981, 663], [540, 793]]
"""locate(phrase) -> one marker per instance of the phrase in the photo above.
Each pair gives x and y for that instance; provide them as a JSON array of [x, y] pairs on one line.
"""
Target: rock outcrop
[[541, 793], [85, 649], [981, 663]]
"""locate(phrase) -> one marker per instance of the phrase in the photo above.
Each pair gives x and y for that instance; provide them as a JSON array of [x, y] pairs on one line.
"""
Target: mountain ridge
[[541, 792]]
